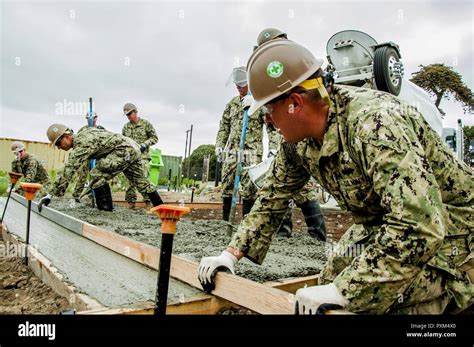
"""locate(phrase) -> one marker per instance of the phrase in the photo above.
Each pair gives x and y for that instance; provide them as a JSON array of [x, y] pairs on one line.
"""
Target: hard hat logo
[[267, 35], [55, 129], [275, 69]]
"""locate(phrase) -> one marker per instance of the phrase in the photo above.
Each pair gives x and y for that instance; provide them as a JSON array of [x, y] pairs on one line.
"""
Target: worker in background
[[143, 133], [30, 166], [411, 249], [306, 198], [84, 170], [228, 144], [114, 154]]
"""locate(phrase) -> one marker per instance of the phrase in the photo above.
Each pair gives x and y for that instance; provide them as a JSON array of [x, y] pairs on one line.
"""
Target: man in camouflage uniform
[[114, 153], [84, 170], [228, 144], [306, 198], [411, 249], [143, 133], [30, 166]]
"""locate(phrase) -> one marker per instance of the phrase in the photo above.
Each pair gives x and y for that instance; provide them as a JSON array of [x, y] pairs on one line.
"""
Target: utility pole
[[205, 169], [186, 145], [189, 151]]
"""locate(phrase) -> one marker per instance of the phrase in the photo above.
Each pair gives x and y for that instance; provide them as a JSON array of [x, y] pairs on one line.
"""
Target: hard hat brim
[[254, 107]]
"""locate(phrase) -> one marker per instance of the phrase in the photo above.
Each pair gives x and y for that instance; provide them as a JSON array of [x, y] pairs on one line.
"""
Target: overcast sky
[[172, 59]]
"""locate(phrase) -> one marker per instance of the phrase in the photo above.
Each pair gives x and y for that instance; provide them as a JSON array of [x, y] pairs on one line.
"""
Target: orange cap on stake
[[30, 189], [14, 177], [169, 216]]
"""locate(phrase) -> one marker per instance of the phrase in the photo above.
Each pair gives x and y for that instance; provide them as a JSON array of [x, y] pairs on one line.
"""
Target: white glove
[[219, 151], [309, 299], [247, 101], [272, 153], [210, 265]]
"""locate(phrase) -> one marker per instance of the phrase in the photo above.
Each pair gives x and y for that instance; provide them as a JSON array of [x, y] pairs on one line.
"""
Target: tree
[[468, 137], [195, 161], [442, 81]]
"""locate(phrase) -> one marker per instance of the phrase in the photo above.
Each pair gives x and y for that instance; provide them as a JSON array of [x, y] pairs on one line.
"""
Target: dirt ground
[[201, 235], [21, 292]]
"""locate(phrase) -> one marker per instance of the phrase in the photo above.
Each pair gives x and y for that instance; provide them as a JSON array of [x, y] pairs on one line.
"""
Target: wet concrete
[[297, 256], [106, 276]]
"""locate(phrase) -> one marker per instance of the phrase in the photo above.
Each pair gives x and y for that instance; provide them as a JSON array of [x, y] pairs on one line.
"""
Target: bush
[[4, 183], [163, 181]]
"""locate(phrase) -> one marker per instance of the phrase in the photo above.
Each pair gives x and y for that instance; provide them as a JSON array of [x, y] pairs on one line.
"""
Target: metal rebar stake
[[6, 203], [169, 216], [164, 273], [28, 216]]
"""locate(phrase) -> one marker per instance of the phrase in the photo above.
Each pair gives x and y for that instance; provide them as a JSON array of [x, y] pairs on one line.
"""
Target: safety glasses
[[268, 107]]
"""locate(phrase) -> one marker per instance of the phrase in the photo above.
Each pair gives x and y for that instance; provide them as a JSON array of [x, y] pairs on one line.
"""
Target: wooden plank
[[238, 290], [196, 205], [200, 305], [293, 284], [245, 293]]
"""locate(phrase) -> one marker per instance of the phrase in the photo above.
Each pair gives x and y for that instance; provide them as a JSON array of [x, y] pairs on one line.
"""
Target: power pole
[[189, 151], [186, 148], [205, 169], [186, 145]]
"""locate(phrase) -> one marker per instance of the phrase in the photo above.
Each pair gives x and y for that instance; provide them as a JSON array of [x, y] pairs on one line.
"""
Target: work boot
[[226, 205], [286, 226], [314, 220], [155, 198], [103, 198], [247, 206]]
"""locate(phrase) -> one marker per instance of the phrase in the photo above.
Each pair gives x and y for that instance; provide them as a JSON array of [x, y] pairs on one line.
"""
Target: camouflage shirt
[[380, 160], [142, 133], [32, 169], [100, 127], [92, 143], [230, 131]]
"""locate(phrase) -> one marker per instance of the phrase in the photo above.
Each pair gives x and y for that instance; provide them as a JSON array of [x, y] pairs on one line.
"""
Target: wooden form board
[[249, 294], [257, 297], [199, 305]]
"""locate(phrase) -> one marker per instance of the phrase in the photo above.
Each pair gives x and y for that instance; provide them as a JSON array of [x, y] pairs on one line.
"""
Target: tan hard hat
[[269, 34], [129, 107], [17, 146], [277, 67], [55, 131]]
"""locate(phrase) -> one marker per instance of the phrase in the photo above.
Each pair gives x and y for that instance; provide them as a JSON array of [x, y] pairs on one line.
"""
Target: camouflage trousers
[[81, 178], [432, 291], [126, 161], [131, 192], [247, 188], [307, 193]]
